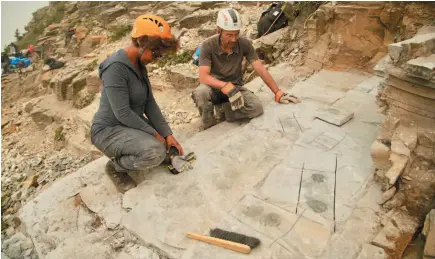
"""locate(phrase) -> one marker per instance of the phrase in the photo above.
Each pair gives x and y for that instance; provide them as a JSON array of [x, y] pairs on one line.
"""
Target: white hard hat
[[229, 19]]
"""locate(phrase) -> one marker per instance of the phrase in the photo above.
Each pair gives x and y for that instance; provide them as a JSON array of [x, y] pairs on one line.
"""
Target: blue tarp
[[195, 56], [24, 61]]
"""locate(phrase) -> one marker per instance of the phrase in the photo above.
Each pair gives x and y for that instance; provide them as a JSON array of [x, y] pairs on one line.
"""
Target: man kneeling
[[221, 78]]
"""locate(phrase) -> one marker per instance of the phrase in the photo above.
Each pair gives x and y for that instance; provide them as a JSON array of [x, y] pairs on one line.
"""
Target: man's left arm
[[252, 57], [280, 96]]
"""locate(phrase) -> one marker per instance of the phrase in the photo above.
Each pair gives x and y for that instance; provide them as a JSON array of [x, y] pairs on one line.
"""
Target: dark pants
[[130, 149], [205, 98]]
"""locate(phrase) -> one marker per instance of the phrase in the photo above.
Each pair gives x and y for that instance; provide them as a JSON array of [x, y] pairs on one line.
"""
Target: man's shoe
[[122, 181]]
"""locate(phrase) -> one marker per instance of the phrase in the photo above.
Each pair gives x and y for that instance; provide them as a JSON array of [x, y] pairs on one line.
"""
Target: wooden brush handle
[[241, 248]]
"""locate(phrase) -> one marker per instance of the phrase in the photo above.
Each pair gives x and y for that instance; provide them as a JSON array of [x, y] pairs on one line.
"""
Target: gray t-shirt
[[226, 67]]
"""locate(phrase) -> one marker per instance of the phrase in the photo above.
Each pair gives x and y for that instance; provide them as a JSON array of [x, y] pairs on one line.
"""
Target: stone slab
[[105, 201], [369, 84], [372, 252], [308, 237], [335, 115], [281, 187], [421, 44], [317, 193], [350, 184], [421, 67], [304, 91], [264, 217]]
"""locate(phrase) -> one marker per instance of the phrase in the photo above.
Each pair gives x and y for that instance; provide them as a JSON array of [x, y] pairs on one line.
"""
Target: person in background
[[221, 78]]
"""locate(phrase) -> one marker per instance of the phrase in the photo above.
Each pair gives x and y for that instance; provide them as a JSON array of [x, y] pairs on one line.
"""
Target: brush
[[229, 240]]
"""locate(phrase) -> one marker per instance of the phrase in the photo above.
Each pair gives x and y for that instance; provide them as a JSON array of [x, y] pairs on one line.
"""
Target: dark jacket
[[125, 97]]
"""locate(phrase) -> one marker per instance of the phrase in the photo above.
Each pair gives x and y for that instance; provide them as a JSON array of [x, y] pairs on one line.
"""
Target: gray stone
[[368, 85], [184, 76], [219, 191], [335, 116], [317, 193], [207, 31], [372, 252], [401, 74], [309, 237], [14, 250], [422, 45], [281, 187], [267, 219], [382, 66], [195, 20], [111, 14], [422, 67], [105, 201]]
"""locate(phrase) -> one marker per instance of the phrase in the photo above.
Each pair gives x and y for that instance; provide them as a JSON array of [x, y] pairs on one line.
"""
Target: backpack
[[266, 23], [195, 56]]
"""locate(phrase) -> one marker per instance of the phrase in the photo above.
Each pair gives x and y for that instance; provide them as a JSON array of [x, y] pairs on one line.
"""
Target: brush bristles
[[252, 242]]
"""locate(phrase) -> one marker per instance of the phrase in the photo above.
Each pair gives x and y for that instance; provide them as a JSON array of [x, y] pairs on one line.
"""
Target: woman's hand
[[171, 141], [159, 138]]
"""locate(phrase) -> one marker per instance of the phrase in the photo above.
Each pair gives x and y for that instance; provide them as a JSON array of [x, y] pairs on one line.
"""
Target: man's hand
[[159, 138], [171, 141], [284, 98], [234, 96]]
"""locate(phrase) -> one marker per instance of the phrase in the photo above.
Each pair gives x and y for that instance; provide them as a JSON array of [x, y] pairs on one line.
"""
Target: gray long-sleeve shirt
[[125, 98]]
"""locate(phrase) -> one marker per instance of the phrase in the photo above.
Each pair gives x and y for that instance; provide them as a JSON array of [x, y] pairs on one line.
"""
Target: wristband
[[278, 95]]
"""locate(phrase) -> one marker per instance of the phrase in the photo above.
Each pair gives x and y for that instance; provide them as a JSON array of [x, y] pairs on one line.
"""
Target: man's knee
[[201, 95], [253, 106], [256, 109]]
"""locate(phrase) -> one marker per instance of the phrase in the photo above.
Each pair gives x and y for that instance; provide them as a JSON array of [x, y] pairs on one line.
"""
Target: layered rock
[[353, 35], [404, 152]]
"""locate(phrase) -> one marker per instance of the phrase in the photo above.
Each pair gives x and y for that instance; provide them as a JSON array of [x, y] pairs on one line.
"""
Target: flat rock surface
[[285, 177]]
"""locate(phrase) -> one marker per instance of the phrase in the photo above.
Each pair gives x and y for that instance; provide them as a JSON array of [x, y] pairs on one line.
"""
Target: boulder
[[90, 43], [42, 118], [184, 76], [195, 20], [93, 82], [111, 14], [421, 67], [78, 83], [62, 83], [81, 33], [207, 30], [420, 45], [83, 98]]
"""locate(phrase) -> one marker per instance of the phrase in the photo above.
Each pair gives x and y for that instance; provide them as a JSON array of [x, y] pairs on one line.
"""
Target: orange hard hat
[[151, 25]]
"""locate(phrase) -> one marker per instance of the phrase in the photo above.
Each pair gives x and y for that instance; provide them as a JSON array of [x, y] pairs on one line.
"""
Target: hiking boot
[[122, 181], [220, 113], [207, 116]]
